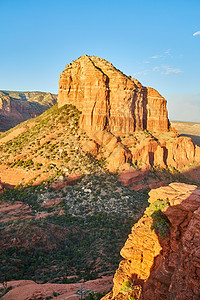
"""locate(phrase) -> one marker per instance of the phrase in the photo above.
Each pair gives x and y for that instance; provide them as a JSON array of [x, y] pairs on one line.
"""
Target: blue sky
[[152, 41]]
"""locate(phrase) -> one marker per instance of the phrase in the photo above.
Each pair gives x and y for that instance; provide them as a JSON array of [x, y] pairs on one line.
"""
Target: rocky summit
[[108, 99]]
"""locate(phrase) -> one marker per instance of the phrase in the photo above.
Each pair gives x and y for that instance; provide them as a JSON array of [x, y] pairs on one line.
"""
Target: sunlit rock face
[[161, 256], [110, 100]]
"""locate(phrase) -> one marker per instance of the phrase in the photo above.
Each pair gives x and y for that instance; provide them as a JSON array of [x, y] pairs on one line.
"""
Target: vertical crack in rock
[[132, 109], [106, 126], [144, 94], [92, 113], [107, 117]]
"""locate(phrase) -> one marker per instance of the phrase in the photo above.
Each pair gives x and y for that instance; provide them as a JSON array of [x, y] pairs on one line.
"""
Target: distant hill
[[16, 107], [190, 129]]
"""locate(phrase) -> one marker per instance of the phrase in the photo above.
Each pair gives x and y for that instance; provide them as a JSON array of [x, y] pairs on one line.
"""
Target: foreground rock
[[162, 253], [28, 289]]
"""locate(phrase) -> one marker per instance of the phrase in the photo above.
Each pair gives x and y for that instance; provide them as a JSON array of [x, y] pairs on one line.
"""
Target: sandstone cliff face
[[163, 263], [175, 152], [16, 107], [114, 105], [110, 100]]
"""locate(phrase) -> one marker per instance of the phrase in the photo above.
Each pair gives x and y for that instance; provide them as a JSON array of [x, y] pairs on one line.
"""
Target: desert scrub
[[76, 245], [5, 289], [95, 193], [65, 120], [84, 240], [49, 119], [157, 205], [95, 296], [27, 194], [161, 223], [128, 288], [22, 163]]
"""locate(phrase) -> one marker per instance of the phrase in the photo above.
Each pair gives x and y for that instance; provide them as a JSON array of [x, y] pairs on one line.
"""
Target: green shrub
[[161, 223], [127, 287], [95, 296], [5, 289]]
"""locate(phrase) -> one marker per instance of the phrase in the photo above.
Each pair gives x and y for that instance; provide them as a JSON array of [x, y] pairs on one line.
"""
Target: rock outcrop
[[16, 107], [115, 108], [110, 100], [162, 253], [175, 152]]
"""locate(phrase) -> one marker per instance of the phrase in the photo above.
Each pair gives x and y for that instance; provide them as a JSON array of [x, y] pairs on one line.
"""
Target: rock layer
[[175, 152], [110, 100], [163, 267]]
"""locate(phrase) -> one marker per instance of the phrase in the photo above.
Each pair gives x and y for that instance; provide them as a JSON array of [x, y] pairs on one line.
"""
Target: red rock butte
[[110, 100]]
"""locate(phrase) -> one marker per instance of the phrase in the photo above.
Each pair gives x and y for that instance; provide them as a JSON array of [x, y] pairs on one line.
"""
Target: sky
[[156, 42]]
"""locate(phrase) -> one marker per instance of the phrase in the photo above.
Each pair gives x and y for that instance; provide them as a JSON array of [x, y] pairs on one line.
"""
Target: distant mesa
[[16, 107], [110, 100]]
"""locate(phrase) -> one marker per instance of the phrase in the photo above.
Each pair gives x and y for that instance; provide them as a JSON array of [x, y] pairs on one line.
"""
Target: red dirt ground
[[28, 289]]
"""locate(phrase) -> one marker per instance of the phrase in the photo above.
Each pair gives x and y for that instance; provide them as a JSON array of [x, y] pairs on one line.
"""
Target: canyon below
[[99, 191]]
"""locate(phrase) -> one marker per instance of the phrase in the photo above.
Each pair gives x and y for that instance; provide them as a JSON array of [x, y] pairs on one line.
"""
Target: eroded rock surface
[[108, 99], [164, 262]]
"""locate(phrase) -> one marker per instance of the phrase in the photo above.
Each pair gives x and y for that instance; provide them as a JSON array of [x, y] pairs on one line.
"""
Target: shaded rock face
[[110, 100], [16, 107], [163, 266]]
